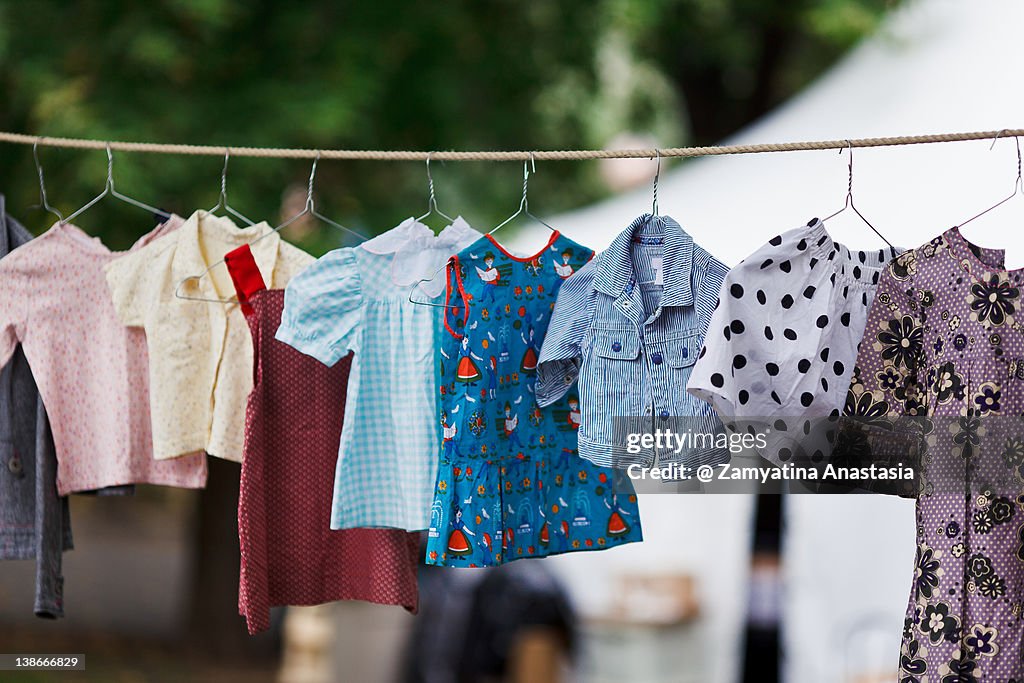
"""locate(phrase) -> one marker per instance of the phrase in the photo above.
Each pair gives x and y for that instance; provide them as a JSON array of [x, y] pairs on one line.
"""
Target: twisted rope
[[539, 155]]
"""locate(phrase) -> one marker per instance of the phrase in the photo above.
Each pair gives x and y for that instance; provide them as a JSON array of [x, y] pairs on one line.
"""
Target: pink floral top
[[92, 371]]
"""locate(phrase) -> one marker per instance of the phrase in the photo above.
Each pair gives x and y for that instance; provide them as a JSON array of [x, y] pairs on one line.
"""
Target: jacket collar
[[189, 260], [615, 268]]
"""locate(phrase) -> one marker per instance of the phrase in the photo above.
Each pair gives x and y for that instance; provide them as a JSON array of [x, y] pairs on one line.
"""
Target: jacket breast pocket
[[682, 354], [611, 383]]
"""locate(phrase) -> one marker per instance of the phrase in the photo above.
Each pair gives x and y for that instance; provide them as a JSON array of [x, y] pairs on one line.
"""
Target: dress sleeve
[[886, 391], [889, 355], [128, 279], [710, 274], [323, 308], [560, 354], [718, 377]]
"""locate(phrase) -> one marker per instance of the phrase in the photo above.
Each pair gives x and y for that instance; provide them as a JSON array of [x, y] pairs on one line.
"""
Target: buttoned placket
[[630, 304], [659, 375]]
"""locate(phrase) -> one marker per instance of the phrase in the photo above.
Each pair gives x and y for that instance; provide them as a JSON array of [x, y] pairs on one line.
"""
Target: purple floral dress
[[944, 350]]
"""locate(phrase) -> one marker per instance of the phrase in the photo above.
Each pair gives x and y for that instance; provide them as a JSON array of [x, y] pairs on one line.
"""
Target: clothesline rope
[[538, 155]]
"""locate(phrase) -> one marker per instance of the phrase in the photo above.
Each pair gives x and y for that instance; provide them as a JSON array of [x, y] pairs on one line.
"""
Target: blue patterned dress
[[510, 483]]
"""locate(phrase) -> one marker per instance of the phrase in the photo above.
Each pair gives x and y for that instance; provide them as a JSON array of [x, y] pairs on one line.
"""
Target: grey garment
[[34, 520]]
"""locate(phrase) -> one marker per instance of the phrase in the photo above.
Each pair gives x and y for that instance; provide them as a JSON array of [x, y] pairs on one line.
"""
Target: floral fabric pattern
[[942, 346]]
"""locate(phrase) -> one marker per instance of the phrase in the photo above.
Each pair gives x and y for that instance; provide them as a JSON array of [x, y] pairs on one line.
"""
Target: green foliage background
[[489, 74]]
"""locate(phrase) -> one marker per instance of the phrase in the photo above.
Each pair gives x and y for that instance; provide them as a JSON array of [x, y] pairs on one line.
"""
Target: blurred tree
[[499, 74], [468, 75]]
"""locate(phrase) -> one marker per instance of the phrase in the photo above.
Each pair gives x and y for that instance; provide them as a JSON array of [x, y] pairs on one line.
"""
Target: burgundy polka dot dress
[[290, 555]]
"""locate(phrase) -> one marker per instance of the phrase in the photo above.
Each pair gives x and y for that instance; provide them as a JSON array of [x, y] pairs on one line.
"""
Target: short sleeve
[[13, 312], [710, 273], [323, 308], [885, 376], [717, 378], [559, 362], [889, 355], [128, 280], [885, 394]]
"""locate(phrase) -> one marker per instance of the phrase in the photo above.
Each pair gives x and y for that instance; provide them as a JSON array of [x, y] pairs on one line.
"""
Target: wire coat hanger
[[655, 216], [1018, 184], [110, 190], [849, 199], [316, 214], [43, 202], [524, 203], [432, 207], [222, 202], [524, 209], [308, 210]]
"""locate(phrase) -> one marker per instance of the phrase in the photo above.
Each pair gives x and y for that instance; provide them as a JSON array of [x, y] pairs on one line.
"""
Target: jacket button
[[616, 347], [656, 357], [14, 465], [663, 415], [568, 379], [686, 352]]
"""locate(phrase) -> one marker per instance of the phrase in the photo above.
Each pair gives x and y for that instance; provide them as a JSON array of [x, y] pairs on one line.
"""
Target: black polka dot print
[[809, 296]]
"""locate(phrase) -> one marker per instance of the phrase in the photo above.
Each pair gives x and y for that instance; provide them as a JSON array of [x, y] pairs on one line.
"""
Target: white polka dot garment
[[782, 341]]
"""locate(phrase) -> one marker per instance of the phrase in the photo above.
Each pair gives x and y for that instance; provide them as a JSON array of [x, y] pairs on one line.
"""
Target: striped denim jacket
[[629, 325]]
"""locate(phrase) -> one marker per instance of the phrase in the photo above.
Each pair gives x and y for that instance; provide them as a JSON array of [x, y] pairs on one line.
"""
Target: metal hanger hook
[[996, 139], [224, 178], [525, 203], [431, 197], [1020, 181], [110, 168], [1018, 184], [39, 171], [44, 203], [849, 171], [312, 177], [657, 177]]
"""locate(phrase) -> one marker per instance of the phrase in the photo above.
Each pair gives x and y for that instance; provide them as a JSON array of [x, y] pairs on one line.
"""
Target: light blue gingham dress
[[356, 300]]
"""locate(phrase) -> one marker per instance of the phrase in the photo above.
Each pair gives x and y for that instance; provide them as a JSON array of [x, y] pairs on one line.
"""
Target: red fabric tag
[[244, 274]]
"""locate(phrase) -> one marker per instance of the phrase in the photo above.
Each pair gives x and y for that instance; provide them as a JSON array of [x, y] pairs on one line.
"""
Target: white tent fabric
[[935, 66]]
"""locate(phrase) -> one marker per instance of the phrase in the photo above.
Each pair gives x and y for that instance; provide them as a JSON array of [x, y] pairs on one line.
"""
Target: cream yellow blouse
[[200, 354]]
